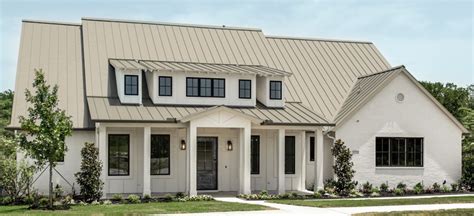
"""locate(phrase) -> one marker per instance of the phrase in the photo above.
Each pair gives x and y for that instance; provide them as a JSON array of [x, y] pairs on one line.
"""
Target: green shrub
[[445, 189], [355, 193], [147, 197], [418, 188], [132, 198], [117, 197], [436, 187], [180, 195], [263, 193], [454, 187], [366, 187], [375, 190], [398, 191], [343, 168], [168, 198], [58, 191], [29, 199], [199, 198], [43, 202], [89, 177], [7, 200], [402, 186], [317, 195], [384, 187]]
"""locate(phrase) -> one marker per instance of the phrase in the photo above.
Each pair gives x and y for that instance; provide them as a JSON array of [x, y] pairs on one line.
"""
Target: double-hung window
[[119, 155], [165, 84], [398, 152], [275, 90], [255, 155], [290, 155], [245, 89], [205, 87], [131, 84], [160, 155]]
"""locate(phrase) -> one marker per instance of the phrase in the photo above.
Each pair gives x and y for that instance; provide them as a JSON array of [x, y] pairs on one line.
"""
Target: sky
[[432, 38]]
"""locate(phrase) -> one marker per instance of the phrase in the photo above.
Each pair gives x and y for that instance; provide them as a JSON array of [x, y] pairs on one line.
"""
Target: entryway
[[206, 163]]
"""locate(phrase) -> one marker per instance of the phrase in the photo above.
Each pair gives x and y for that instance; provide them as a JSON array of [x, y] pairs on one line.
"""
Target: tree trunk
[[50, 186]]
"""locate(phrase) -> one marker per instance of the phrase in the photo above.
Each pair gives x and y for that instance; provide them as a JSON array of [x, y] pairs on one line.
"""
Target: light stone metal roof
[[171, 66], [110, 109]]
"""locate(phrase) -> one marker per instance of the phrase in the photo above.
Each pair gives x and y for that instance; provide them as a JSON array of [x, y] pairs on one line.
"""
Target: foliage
[[343, 168], [6, 103], [402, 186], [467, 179], [58, 191], [418, 188], [366, 188], [384, 187], [398, 191], [117, 197], [89, 177], [132, 198], [180, 195], [436, 187], [45, 128], [454, 187]]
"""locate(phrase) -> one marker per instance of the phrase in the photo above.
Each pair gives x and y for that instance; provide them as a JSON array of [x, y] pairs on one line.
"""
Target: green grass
[[376, 202], [138, 209], [458, 212]]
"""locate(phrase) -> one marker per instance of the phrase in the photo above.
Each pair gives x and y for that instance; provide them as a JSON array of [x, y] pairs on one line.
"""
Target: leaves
[[89, 176], [343, 168]]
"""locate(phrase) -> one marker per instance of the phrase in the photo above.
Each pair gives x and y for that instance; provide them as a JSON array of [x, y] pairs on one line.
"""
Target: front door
[[206, 163]]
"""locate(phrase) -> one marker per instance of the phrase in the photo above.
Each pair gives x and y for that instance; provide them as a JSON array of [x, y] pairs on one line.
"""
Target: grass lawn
[[377, 202], [458, 212], [138, 209]]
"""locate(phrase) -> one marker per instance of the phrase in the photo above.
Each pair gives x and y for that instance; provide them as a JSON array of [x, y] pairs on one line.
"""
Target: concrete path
[[291, 210]]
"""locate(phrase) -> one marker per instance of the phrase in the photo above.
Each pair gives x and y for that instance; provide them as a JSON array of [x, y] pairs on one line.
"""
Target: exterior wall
[[179, 89], [120, 79], [263, 91], [69, 167], [416, 116]]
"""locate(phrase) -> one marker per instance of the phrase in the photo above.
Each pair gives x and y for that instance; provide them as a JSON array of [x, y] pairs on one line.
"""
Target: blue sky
[[432, 38]]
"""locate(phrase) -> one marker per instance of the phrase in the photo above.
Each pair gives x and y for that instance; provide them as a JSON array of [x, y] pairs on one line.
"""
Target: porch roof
[[106, 109]]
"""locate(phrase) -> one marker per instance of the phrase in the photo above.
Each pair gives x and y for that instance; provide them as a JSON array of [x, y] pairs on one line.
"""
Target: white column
[[191, 159], [101, 142], [244, 167], [146, 160], [318, 172], [302, 185], [281, 161]]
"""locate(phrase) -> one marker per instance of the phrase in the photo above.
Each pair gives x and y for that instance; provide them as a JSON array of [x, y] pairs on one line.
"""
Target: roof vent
[[223, 26]]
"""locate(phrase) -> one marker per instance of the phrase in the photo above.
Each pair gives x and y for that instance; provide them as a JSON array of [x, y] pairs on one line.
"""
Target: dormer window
[[275, 90], [245, 89], [205, 87], [131, 84], [165, 86]]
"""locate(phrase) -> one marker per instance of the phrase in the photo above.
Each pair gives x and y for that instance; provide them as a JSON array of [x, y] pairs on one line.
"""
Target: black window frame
[[109, 156], [272, 90], [290, 156], [214, 88], [395, 151], [255, 156], [311, 148], [169, 153], [170, 86], [245, 89], [131, 85]]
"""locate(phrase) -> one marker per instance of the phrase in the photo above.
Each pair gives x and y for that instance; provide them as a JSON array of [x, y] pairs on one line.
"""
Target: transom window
[[165, 84], [255, 155], [275, 90], [119, 155], [289, 155], [245, 89], [160, 155], [205, 87], [398, 152], [131, 84]]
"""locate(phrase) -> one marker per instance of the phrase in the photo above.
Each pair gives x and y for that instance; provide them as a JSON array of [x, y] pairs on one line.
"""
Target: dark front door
[[206, 163]]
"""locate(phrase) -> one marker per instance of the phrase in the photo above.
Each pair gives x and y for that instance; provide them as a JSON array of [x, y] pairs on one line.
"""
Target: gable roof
[[368, 86], [208, 111]]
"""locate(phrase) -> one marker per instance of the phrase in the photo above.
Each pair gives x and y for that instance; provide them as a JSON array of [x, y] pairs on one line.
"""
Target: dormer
[[128, 77]]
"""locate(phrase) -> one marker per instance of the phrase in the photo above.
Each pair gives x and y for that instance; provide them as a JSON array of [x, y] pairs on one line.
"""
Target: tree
[[450, 96], [343, 168], [6, 102], [467, 179], [89, 176], [44, 130]]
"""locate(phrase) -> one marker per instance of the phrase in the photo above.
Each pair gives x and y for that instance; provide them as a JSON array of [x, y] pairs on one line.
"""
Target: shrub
[[263, 193], [132, 198], [343, 168], [43, 202], [147, 197], [180, 195], [29, 199], [384, 187], [418, 188], [107, 202], [329, 184], [398, 191], [199, 198], [454, 187], [445, 189], [317, 195], [366, 188], [436, 187], [89, 177], [355, 193], [117, 197], [168, 198], [58, 191], [402, 186], [7, 200]]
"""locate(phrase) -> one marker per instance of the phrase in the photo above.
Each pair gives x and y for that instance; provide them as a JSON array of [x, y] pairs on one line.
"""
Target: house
[[195, 108]]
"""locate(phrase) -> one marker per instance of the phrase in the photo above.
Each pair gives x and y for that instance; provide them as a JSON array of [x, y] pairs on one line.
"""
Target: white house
[[194, 108]]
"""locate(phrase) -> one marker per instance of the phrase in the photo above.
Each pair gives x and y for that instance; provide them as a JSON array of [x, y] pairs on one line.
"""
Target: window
[[289, 155], [160, 155], [311, 149], [245, 89], [205, 87], [165, 86], [275, 90], [255, 155], [398, 152], [119, 154], [131, 84]]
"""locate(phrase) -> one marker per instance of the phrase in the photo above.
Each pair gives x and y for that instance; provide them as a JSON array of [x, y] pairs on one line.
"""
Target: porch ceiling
[[103, 109]]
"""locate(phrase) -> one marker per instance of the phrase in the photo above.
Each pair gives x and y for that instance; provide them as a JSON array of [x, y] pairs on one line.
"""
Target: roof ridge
[[51, 22], [381, 72], [316, 39], [172, 24]]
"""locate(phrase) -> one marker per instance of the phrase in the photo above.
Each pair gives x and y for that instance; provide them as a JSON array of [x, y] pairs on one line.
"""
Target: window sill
[[119, 177], [161, 176], [399, 168]]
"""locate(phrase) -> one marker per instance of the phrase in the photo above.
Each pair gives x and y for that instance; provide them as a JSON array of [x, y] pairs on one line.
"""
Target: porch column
[[146, 160], [281, 161], [244, 168], [318, 172], [191, 159], [101, 142], [302, 185]]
